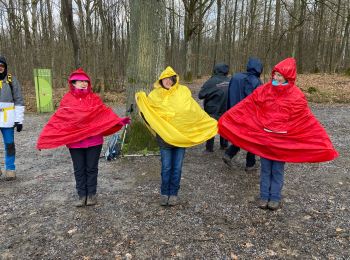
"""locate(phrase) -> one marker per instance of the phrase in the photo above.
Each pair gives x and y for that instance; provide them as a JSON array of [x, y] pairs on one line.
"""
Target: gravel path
[[217, 217]]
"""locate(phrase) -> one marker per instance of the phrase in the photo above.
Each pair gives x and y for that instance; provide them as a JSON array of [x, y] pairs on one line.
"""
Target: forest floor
[[217, 218]]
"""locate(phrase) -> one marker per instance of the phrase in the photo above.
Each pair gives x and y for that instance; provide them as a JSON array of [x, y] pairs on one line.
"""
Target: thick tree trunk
[[147, 43]]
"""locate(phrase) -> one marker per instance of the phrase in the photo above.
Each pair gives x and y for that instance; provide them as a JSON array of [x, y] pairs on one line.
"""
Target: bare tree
[[67, 14]]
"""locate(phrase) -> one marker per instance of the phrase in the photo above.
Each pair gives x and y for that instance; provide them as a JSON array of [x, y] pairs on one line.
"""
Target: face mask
[[276, 83]]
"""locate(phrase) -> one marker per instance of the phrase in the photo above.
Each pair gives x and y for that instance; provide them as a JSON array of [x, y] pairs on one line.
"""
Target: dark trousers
[[85, 164], [233, 150], [209, 146]]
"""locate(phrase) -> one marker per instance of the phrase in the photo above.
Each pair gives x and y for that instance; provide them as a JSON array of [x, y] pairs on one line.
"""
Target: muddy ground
[[217, 218]]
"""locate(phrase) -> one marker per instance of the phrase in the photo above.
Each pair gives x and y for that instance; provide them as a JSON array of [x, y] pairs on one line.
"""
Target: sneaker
[[263, 204], [91, 200], [173, 200], [80, 202], [164, 200], [227, 160], [10, 175], [251, 168], [274, 205]]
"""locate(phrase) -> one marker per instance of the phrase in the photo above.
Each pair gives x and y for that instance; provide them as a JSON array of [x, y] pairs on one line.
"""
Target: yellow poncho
[[174, 115]]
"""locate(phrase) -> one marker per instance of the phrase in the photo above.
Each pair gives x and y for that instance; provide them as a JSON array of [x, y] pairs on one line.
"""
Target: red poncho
[[78, 117], [276, 123]]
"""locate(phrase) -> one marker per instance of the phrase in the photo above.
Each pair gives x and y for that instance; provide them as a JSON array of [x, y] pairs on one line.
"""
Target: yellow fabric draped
[[174, 115]]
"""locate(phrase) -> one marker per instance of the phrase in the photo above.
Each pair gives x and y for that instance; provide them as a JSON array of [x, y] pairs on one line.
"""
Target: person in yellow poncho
[[179, 122]]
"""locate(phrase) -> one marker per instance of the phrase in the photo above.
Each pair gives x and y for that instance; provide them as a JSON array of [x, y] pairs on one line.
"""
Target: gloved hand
[[18, 126], [126, 120]]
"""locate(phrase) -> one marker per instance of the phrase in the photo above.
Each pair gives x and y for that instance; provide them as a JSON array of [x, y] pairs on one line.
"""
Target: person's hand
[[126, 120], [18, 126]]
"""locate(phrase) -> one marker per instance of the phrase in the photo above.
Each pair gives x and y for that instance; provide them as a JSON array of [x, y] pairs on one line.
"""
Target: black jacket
[[214, 91]]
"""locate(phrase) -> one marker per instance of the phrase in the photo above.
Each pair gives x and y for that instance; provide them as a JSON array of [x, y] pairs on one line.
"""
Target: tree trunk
[[70, 28], [147, 43], [217, 34]]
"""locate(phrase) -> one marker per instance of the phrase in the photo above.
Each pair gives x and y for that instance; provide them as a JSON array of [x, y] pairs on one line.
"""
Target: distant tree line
[[190, 35]]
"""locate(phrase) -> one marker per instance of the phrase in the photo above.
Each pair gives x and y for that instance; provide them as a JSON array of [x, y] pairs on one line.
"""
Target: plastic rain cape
[[174, 115]]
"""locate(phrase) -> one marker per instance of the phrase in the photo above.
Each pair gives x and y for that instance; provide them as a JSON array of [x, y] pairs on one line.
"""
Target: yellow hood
[[168, 72], [174, 115]]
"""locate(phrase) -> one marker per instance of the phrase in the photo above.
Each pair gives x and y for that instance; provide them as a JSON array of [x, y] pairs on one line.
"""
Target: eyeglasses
[[2, 66]]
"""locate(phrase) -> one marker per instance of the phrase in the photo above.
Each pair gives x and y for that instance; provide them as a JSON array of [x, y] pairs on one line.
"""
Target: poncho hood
[[79, 74], [287, 68], [167, 73]]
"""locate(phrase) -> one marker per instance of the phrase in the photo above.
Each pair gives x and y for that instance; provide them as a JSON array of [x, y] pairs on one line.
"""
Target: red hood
[[79, 71], [287, 68]]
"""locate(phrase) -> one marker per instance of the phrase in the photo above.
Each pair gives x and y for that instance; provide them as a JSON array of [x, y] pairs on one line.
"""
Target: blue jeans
[[271, 179], [172, 160], [10, 152]]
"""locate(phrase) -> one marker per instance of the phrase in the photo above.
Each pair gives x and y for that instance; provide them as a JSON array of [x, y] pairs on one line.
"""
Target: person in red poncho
[[80, 123], [275, 123]]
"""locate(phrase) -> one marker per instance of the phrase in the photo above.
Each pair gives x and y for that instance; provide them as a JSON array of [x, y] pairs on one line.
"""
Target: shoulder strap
[[9, 81]]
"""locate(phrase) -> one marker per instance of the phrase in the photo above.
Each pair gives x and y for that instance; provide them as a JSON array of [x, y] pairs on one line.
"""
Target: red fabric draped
[[276, 123], [77, 118]]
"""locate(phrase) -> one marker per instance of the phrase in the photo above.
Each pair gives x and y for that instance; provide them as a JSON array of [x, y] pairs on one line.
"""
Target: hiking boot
[[10, 175], [164, 200], [173, 200], [91, 200], [227, 160], [251, 168], [80, 202], [262, 204], [274, 205]]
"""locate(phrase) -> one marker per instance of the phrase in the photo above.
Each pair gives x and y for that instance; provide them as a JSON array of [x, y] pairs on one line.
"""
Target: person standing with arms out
[[178, 122], [276, 123], [214, 94], [11, 116], [80, 123], [241, 85]]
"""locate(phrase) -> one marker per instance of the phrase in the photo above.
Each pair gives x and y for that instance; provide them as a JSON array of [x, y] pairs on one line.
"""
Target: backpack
[[113, 147]]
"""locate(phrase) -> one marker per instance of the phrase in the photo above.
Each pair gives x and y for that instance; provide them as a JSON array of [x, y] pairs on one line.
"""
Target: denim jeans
[[85, 164], [233, 150], [271, 179], [210, 144], [10, 153], [172, 160]]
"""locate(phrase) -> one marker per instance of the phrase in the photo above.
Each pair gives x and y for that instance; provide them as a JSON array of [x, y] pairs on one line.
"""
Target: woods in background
[[190, 35]]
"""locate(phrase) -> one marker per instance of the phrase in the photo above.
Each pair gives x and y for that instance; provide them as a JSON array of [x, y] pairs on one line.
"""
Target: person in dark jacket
[[11, 116], [241, 85], [214, 94]]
